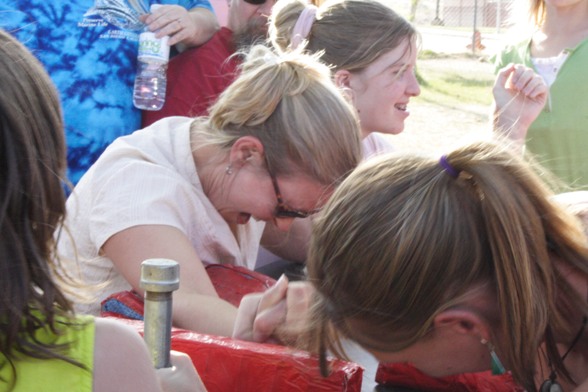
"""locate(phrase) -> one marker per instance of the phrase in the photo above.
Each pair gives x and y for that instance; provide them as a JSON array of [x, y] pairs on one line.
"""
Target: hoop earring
[[495, 363]]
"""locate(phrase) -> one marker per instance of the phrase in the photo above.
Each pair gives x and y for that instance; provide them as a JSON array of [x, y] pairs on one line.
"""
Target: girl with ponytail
[[456, 265]]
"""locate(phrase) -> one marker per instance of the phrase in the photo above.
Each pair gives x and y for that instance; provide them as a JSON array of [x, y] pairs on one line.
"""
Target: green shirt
[[558, 138], [55, 375]]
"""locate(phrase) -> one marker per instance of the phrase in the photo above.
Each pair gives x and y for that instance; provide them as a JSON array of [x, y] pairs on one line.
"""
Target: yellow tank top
[[55, 375]]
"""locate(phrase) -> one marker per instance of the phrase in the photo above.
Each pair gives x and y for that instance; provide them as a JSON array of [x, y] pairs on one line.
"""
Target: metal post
[[437, 21], [474, 35], [159, 278], [498, 16]]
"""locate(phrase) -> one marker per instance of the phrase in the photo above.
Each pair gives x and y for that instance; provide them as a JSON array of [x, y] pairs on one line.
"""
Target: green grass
[[454, 80]]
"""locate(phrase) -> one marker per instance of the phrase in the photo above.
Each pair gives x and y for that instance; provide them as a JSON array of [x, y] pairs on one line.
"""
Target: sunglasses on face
[[282, 210], [255, 2]]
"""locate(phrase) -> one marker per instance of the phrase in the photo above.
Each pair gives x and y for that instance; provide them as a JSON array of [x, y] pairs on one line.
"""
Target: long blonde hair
[[537, 12], [401, 240]]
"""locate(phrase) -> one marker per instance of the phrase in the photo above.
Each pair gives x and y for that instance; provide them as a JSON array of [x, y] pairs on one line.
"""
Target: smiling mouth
[[401, 107]]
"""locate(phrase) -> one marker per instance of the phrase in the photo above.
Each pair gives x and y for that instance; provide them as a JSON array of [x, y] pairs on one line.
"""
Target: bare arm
[[121, 360], [519, 96], [181, 377], [196, 305], [122, 363], [186, 28]]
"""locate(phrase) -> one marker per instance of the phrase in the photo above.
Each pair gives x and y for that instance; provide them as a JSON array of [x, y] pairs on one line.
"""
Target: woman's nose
[[414, 88]]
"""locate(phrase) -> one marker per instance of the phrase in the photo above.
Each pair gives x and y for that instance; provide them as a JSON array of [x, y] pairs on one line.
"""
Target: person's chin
[[396, 130], [392, 128], [397, 121]]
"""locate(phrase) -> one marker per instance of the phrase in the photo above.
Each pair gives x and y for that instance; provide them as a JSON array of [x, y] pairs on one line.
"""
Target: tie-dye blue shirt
[[89, 48]]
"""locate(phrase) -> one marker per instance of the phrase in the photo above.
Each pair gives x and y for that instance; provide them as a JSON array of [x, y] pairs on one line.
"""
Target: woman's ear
[[247, 149], [343, 79], [464, 322]]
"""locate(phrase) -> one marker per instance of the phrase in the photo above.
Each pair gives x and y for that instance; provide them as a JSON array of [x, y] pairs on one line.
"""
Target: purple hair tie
[[447, 167]]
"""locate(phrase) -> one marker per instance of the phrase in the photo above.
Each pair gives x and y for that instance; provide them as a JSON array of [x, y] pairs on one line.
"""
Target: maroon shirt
[[196, 77]]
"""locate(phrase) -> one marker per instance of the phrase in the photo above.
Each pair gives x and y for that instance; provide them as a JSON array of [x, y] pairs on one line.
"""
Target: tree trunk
[[413, 8]]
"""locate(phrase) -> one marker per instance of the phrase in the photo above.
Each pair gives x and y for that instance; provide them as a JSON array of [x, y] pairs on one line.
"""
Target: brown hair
[[401, 240], [32, 204], [350, 34]]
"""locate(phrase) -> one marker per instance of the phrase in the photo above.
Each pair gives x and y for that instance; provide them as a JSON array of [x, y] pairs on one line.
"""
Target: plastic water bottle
[[151, 79]]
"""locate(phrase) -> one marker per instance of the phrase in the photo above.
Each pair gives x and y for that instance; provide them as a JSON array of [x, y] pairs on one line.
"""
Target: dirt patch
[[437, 126], [433, 127]]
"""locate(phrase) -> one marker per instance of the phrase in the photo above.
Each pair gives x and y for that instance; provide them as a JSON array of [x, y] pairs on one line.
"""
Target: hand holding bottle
[[173, 21]]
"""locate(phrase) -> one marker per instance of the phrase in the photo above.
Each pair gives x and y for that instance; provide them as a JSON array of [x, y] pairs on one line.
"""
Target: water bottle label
[[151, 48]]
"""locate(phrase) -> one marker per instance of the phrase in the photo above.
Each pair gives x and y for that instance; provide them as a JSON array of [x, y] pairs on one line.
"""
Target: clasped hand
[[277, 315]]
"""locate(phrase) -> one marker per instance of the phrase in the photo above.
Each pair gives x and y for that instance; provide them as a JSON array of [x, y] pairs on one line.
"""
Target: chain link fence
[[458, 25]]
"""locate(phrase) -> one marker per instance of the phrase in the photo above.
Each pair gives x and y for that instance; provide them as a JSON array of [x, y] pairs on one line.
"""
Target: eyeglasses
[[283, 211]]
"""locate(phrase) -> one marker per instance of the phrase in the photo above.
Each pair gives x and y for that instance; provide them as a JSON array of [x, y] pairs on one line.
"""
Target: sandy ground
[[434, 127]]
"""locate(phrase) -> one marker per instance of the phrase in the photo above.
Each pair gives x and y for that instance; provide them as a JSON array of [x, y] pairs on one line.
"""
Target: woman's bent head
[[289, 103], [409, 248]]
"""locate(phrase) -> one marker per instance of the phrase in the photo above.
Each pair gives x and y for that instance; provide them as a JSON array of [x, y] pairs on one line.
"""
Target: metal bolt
[[159, 278]]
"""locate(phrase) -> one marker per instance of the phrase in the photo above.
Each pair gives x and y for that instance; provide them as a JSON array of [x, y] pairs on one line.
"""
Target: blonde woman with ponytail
[[200, 191], [457, 264]]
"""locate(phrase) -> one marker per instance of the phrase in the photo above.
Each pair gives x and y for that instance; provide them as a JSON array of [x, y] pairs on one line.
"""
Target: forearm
[[206, 25], [508, 127], [204, 314], [196, 305]]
